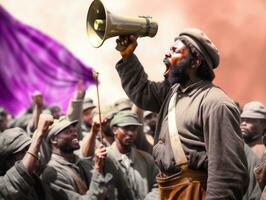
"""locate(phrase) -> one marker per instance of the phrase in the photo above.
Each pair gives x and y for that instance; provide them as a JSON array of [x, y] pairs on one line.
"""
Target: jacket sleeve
[[146, 94], [58, 186], [227, 166], [15, 183], [154, 191], [74, 112]]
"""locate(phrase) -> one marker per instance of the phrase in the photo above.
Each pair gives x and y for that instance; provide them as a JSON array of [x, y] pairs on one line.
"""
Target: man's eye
[[175, 50]]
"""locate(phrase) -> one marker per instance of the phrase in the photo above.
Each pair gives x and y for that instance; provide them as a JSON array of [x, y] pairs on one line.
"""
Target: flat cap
[[88, 103], [125, 118], [203, 44], [123, 104], [12, 141], [254, 109], [146, 113], [110, 115], [58, 126]]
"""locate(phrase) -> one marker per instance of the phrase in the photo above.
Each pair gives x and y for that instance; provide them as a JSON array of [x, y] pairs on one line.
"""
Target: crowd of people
[[181, 138]]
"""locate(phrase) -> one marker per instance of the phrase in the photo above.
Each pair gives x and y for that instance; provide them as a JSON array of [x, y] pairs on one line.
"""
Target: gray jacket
[[17, 184], [137, 181], [208, 124], [253, 191], [60, 184]]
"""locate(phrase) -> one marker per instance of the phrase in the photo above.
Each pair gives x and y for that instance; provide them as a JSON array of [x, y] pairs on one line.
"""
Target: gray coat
[[208, 124], [60, 184], [17, 184], [253, 192], [138, 180]]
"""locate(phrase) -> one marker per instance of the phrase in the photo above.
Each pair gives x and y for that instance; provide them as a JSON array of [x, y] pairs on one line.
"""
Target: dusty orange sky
[[238, 28]]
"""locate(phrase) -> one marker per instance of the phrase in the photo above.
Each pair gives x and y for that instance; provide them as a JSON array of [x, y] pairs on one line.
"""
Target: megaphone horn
[[101, 25]]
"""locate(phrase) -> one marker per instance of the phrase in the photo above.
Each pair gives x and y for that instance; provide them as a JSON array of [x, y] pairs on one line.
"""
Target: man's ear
[[53, 140], [114, 129]]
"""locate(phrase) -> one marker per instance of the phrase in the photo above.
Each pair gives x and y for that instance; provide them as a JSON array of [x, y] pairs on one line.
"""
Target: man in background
[[253, 126]]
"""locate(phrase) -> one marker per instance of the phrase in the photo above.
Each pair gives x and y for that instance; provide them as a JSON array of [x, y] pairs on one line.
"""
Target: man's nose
[[130, 133], [243, 123], [168, 55], [74, 132]]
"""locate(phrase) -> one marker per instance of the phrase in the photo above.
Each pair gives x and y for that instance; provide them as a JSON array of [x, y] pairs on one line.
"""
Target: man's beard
[[178, 73], [248, 138], [66, 147]]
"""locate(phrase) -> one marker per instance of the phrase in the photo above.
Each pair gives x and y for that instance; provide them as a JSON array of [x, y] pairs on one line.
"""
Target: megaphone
[[101, 25]]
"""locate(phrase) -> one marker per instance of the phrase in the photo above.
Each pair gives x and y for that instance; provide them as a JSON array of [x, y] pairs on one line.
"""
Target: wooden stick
[[96, 75]]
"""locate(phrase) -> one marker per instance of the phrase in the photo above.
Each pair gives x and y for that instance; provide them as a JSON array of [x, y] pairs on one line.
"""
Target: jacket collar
[[61, 160], [119, 156], [191, 88]]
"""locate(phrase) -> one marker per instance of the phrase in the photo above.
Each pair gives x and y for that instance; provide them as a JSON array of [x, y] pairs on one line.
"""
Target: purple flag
[[30, 61]]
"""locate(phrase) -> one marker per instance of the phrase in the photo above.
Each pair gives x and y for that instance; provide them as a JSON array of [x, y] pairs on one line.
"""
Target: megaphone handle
[[120, 47]]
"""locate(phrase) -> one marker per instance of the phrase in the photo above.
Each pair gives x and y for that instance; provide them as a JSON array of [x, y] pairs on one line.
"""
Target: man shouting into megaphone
[[198, 145]]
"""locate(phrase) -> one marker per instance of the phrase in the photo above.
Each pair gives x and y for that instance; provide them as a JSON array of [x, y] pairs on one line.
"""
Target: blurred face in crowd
[[252, 129], [88, 116], [151, 121], [67, 141], [37, 98], [125, 137], [56, 112], [177, 60]]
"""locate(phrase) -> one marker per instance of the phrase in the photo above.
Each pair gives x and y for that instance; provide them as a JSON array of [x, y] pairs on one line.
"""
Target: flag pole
[[96, 75]]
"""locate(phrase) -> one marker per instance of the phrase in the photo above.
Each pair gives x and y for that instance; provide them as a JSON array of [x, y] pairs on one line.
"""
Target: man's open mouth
[[167, 63]]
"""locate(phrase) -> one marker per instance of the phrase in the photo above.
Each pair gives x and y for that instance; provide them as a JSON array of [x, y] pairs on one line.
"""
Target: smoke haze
[[238, 29]]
